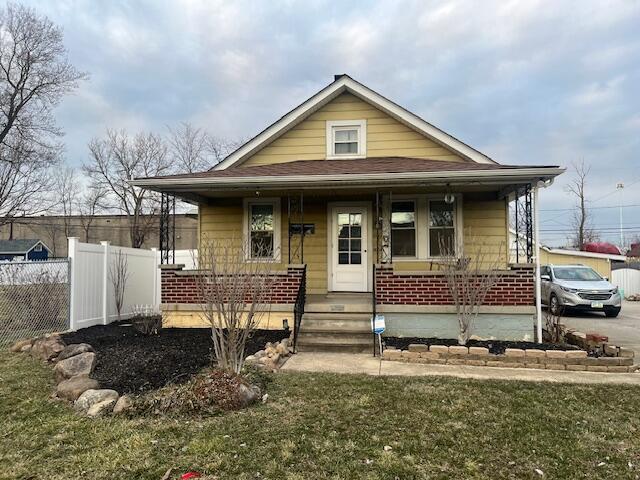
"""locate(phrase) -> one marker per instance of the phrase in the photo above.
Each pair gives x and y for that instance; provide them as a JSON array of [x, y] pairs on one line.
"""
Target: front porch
[[375, 234]]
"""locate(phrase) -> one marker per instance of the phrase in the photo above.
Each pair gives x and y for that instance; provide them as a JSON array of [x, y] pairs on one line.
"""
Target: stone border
[[73, 365], [573, 360]]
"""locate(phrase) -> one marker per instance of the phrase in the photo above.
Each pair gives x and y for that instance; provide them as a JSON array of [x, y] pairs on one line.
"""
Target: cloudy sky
[[526, 82]]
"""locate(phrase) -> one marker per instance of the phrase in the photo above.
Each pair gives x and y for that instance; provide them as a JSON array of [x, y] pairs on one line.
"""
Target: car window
[[579, 274], [544, 271]]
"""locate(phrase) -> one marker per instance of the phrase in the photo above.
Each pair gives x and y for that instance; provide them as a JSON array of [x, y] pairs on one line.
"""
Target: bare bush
[[119, 274], [553, 325], [469, 280], [146, 319], [234, 291]]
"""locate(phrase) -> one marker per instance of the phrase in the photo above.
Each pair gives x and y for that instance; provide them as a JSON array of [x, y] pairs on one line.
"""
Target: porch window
[[442, 230], [262, 219], [346, 139], [403, 229]]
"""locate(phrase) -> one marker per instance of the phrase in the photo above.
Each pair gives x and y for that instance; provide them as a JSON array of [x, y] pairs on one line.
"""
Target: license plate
[[596, 305]]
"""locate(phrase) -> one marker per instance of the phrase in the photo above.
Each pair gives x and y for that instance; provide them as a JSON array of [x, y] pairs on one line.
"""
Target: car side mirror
[[606, 278], [545, 277]]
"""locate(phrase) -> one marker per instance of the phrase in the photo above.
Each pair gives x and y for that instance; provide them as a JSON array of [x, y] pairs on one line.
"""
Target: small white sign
[[377, 324]]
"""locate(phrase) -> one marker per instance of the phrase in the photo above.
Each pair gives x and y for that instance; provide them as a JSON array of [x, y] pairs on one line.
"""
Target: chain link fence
[[34, 299]]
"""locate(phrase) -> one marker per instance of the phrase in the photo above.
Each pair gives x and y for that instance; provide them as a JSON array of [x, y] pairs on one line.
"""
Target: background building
[[53, 231]]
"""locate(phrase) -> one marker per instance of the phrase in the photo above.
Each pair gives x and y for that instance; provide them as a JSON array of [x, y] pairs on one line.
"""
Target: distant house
[[27, 249]]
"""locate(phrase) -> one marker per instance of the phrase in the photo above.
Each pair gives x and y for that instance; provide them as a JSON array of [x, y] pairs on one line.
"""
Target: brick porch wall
[[515, 288], [178, 286]]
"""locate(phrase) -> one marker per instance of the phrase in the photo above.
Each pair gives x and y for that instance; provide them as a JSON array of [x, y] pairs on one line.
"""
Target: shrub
[[209, 393], [146, 320]]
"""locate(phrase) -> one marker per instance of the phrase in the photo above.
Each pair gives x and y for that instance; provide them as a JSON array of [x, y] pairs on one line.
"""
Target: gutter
[[447, 176]]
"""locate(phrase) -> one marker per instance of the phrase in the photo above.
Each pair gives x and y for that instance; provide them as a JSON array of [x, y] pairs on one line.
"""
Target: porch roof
[[365, 172]]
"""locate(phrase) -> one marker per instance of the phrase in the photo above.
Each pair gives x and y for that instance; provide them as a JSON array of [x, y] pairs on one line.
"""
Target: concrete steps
[[336, 323]]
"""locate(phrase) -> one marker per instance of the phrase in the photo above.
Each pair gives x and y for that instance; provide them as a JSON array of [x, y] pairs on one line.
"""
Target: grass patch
[[332, 426]]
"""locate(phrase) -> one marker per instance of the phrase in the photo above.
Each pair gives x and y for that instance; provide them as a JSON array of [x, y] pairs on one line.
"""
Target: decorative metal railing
[[298, 307]]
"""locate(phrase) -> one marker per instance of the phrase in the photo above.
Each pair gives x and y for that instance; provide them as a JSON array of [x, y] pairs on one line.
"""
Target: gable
[[386, 136]]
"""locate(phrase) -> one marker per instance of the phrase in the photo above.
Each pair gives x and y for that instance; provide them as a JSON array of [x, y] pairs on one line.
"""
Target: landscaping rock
[[73, 350], [93, 396], [20, 344], [123, 404], [282, 349], [101, 408], [248, 394], [72, 388], [48, 347], [82, 364]]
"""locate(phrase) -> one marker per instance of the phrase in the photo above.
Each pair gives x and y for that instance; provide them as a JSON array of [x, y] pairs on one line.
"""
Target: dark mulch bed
[[130, 362], [496, 347]]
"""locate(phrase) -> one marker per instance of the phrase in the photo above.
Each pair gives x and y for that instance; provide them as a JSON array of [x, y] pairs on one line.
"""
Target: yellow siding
[[385, 136], [223, 221], [196, 319], [484, 224], [600, 265], [485, 229]]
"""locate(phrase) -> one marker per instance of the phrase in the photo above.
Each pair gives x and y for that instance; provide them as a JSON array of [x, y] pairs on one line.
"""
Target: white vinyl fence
[[92, 299], [627, 279]]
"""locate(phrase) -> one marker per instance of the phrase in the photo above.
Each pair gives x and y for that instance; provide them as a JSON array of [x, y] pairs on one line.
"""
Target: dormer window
[[346, 139]]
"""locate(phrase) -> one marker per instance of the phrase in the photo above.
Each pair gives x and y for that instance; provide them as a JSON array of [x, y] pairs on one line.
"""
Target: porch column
[[536, 253]]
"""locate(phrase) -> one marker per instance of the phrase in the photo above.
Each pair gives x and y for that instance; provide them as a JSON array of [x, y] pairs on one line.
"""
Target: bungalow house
[[352, 195], [24, 249]]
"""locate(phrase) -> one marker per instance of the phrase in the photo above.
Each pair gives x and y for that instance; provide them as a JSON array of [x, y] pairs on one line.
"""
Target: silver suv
[[578, 287]]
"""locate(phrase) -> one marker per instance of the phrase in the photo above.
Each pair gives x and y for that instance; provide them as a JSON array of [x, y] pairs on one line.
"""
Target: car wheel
[[612, 312], [554, 305]]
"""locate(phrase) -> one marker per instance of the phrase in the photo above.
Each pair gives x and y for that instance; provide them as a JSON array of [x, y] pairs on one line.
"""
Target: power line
[[589, 208]]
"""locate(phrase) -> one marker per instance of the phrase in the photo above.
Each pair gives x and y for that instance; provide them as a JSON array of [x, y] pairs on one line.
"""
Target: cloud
[[523, 81]]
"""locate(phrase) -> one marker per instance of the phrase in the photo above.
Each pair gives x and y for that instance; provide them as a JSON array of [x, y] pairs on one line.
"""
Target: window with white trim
[[37, 248], [262, 219], [441, 228], [346, 139], [403, 228]]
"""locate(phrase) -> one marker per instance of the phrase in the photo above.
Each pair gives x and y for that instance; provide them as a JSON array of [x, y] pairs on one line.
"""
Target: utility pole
[[620, 188]]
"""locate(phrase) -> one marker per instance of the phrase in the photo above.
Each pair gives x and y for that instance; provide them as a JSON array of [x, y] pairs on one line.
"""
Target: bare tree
[[220, 148], [189, 146], [119, 274], [195, 150], [234, 294], [469, 280], [67, 190], [583, 233], [35, 76], [118, 158], [89, 205]]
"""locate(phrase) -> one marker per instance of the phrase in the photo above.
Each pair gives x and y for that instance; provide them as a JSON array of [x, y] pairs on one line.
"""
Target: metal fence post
[[73, 255], [105, 283]]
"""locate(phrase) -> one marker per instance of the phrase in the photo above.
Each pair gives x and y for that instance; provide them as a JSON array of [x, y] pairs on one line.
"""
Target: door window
[[349, 238]]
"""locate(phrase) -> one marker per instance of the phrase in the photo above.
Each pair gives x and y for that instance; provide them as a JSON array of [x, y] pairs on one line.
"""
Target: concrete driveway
[[623, 330]]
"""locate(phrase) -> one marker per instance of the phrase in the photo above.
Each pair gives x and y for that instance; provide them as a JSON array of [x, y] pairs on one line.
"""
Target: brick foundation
[[178, 286], [515, 288]]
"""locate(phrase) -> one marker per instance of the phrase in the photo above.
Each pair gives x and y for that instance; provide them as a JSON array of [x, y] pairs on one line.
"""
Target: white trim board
[[343, 84]]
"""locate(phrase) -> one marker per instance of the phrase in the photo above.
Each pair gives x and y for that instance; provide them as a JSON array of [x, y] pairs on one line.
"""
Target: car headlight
[[614, 291], [570, 290]]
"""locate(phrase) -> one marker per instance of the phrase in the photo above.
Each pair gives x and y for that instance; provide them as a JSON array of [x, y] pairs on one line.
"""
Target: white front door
[[348, 252]]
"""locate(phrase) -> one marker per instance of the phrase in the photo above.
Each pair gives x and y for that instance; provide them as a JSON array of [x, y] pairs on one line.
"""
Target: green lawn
[[330, 426]]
